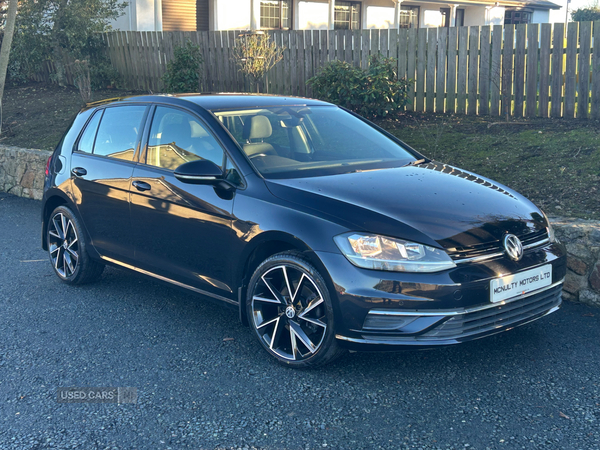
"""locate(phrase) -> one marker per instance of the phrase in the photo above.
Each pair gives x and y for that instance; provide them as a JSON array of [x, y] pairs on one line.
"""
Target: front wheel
[[290, 310], [67, 249]]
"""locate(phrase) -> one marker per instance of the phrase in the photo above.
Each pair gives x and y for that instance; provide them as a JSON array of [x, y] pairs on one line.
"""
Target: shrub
[[374, 92], [256, 54], [183, 71]]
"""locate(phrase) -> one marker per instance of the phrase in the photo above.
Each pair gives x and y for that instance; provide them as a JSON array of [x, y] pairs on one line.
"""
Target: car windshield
[[300, 141]]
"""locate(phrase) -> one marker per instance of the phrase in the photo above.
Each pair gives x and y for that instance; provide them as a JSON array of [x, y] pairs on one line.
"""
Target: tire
[[67, 249], [289, 309]]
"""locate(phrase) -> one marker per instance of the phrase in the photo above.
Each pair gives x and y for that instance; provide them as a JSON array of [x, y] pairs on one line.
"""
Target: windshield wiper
[[416, 163]]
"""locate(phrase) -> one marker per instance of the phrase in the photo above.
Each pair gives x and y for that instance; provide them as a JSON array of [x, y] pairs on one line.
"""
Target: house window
[[513, 17], [275, 14], [460, 17], [409, 17], [347, 16]]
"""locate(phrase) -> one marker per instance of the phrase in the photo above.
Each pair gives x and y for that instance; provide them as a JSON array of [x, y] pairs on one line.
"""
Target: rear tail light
[[48, 166]]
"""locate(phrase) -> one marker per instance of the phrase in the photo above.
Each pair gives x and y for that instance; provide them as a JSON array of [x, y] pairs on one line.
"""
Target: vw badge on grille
[[513, 246]]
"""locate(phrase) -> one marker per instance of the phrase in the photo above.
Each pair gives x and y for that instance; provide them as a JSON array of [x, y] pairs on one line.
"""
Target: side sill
[[169, 280]]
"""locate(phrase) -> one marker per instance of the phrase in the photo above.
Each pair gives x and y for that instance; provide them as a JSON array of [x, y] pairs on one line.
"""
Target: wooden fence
[[524, 70]]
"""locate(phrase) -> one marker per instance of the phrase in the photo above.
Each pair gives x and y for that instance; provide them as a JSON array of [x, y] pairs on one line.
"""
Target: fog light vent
[[375, 322]]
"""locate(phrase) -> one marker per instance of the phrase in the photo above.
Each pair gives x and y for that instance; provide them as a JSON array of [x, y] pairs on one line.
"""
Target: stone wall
[[22, 174], [22, 171], [582, 238]]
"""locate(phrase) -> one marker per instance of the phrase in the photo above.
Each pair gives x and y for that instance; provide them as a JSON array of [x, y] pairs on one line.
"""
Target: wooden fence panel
[[496, 70], [366, 46], [532, 70], [557, 70], [411, 67], [356, 42], [570, 70], [463, 53], [440, 78], [583, 93], [430, 74], [519, 65], [451, 78], [473, 70], [484, 71], [596, 73], [476, 70], [507, 70], [545, 41], [421, 60]]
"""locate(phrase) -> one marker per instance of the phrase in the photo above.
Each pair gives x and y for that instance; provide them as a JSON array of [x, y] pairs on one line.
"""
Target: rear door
[[101, 168], [182, 231]]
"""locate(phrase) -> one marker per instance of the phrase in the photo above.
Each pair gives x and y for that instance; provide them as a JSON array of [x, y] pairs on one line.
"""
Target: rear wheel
[[67, 249], [290, 310]]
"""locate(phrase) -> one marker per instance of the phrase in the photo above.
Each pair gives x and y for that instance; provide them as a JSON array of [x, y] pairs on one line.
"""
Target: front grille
[[492, 319], [490, 249]]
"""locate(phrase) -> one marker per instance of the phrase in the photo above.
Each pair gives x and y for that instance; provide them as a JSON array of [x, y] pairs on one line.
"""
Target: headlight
[[397, 255]]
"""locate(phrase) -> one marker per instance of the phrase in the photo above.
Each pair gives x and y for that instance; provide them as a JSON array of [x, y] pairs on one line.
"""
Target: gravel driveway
[[203, 382]]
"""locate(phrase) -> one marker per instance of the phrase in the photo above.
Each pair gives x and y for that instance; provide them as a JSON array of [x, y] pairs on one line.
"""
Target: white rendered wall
[[313, 15], [540, 16], [232, 15], [380, 17]]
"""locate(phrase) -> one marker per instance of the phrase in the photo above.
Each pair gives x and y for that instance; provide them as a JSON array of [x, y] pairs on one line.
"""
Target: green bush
[[183, 71], [374, 92]]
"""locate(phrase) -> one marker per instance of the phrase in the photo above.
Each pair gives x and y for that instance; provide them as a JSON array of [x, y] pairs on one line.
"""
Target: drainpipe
[[453, 15], [255, 14], [157, 15], [397, 9], [331, 14]]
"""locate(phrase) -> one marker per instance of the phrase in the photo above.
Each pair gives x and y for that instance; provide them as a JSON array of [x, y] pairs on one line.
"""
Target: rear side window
[[86, 143], [118, 132]]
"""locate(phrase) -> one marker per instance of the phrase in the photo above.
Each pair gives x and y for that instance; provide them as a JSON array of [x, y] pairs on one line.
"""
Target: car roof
[[222, 100]]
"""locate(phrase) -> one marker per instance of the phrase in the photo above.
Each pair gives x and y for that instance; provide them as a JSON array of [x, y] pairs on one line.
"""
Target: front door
[[182, 231]]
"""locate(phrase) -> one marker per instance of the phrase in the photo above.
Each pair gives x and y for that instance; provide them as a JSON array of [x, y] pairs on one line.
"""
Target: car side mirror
[[200, 171]]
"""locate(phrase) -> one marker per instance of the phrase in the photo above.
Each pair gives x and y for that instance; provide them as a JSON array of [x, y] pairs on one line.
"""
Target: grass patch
[[553, 162]]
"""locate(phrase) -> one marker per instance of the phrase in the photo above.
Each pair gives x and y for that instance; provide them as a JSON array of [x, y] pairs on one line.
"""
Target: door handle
[[141, 185], [79, 171]]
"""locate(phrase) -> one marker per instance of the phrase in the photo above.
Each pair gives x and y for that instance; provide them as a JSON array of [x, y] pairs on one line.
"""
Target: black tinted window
[[177, 137], [118, 132], [86, 143]]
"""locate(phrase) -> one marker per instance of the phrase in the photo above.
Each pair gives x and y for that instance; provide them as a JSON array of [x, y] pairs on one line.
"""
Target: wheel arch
[[262, 247], [52, 202]]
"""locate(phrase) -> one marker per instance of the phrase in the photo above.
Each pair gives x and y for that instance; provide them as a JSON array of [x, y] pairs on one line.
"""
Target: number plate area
[[521, 283]]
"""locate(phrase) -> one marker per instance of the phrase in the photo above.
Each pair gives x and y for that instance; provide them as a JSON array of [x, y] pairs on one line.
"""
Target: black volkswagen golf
[[325, 231]]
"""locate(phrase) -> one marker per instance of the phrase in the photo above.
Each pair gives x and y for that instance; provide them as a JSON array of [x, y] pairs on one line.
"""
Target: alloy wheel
[[63, 245], [289, 313]]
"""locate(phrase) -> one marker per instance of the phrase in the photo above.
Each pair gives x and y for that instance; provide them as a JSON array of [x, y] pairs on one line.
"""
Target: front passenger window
[[177, 137]]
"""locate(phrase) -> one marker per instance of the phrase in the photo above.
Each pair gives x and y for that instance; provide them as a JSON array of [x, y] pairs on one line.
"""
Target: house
[[201, 15]]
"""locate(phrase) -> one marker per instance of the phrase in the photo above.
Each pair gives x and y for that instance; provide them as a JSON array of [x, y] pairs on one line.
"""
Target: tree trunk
[[59, 65], [9, 31], [57, 51]]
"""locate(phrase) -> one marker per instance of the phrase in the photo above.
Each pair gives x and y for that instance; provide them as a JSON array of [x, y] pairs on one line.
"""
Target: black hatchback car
[[325, 231]]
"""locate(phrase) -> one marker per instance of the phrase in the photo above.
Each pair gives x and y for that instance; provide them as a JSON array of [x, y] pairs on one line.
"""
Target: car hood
[[432, 201]]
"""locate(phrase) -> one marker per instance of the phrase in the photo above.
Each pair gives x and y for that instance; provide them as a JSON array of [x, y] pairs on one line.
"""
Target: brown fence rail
[[523, 70]]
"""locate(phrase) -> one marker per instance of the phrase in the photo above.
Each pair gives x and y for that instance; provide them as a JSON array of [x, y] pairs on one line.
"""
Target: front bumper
[[383, 310]]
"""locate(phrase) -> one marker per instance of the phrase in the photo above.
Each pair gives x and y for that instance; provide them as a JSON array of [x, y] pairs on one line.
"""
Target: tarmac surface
[[204, 382]]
